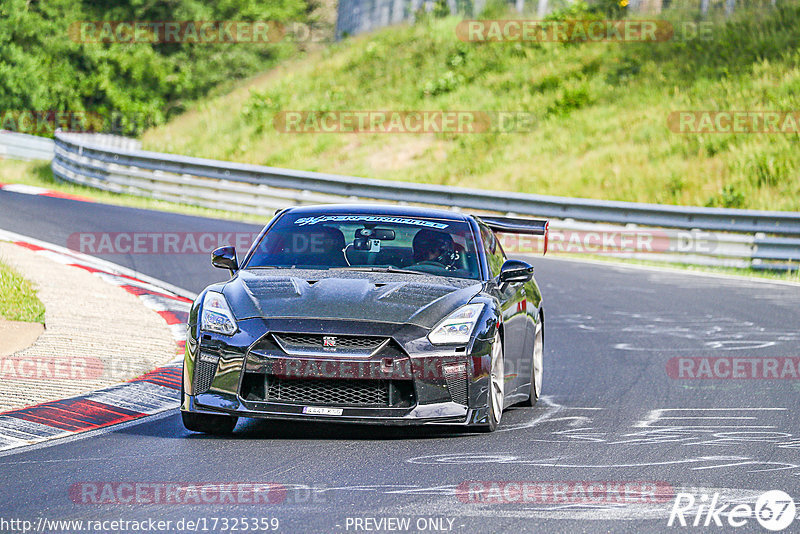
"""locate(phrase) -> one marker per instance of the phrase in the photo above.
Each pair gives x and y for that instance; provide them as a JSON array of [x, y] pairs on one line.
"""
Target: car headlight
[[217, 315], [457, 327]]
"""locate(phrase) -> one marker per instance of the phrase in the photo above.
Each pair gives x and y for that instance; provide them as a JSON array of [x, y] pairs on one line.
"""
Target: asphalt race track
[[616, 415]]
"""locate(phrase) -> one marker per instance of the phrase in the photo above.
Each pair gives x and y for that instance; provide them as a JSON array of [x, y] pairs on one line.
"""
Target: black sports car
[[367, 314]]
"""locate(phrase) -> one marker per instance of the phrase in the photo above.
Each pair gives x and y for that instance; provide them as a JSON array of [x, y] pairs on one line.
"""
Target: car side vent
[[455, 375], [204, 371]]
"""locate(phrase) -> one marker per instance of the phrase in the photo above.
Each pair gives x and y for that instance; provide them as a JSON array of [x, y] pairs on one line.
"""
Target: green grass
[[18, 300], [37, 173], [600, 113]]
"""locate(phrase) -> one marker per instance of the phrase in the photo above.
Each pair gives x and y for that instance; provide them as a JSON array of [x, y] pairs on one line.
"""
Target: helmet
[[432, 245]]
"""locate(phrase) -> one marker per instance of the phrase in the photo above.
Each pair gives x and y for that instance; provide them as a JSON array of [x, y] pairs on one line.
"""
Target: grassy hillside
[[601, 113]]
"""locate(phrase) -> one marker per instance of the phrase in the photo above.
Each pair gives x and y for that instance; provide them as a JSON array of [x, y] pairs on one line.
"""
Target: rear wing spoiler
[[514, 225]]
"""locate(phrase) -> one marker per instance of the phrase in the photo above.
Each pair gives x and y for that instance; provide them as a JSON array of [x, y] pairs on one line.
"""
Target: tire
[[209, 423], [495, 396], [537, 364]]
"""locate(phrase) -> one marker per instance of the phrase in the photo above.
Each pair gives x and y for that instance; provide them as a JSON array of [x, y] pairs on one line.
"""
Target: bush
[[570, 99], [44, 68], [729, 197]]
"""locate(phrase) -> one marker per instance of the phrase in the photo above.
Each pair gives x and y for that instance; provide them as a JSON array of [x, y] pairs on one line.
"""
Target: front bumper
[[446, 413], [234, 374]]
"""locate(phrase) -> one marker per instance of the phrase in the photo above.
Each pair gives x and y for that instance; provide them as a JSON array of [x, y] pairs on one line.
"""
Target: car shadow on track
[[256, 429], [262, 429], [266, 429]]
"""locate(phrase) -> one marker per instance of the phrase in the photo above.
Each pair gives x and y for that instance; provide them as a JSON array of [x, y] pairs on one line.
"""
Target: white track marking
[[5, 235]]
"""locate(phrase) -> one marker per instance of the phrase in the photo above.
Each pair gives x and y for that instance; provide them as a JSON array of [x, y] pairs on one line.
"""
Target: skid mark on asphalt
[[451, 500], [695, 463], [553, 409], [712, 426], [690, 426], [702, 331], [698, 427], [561, 415], [572, 511]]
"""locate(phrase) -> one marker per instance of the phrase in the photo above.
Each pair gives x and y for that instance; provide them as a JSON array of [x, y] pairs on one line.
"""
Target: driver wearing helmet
[[434, 246]]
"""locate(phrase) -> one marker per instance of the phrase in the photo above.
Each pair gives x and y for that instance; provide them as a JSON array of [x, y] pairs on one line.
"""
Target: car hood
[[422, 300]]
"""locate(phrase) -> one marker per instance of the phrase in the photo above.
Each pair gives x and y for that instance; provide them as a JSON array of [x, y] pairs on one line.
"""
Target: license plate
[[316, 410]]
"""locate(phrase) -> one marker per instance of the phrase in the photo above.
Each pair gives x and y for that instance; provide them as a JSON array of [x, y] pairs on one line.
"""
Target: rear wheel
[[209, 423], [537, 364]]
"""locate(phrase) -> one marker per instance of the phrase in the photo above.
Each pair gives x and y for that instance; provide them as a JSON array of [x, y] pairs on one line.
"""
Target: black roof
[[378, 209]]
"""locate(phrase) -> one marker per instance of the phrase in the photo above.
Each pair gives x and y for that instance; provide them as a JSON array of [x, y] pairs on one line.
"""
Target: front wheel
[[495, 396], [209, 423]]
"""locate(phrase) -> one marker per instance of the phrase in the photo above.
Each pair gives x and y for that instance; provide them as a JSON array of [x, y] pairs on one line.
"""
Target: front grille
[[204, 372], [303, 344], [456, 377], [329, 392]]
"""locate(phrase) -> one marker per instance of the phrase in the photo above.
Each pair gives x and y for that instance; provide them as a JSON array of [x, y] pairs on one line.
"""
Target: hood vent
[[274, 287], [415, 294]]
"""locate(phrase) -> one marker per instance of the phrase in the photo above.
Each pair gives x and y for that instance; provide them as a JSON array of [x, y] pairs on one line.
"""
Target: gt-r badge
[[328, 341]]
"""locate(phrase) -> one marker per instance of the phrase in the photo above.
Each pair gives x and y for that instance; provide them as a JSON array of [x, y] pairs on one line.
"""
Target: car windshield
[[394, 243]]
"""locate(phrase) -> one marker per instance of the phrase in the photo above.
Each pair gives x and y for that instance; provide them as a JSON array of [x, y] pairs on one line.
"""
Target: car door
[[513, 304]]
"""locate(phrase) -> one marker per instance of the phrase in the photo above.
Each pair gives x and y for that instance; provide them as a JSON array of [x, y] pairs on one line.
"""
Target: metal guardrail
[[259, 190], [25, 147]]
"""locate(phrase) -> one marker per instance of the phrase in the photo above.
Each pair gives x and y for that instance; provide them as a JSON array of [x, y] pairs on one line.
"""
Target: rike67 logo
[[774, 510]]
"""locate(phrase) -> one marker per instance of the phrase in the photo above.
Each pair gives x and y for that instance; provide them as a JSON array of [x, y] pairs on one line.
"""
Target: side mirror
[[515, 272], [225, 258]]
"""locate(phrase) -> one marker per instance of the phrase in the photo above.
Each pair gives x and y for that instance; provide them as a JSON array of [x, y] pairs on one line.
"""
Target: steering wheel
[[430, 263], [429, 267]]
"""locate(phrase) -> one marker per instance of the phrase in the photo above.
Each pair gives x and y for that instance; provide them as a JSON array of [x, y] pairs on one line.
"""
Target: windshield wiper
[[376, 269]]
